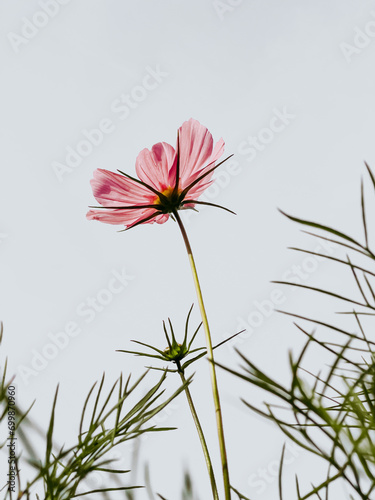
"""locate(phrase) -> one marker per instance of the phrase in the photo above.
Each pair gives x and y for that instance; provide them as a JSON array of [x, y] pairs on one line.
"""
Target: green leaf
[[102, 490], [323, 228]]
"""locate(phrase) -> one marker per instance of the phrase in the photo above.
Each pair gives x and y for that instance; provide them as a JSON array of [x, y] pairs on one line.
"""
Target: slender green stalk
[[200, 433], [215, 389]]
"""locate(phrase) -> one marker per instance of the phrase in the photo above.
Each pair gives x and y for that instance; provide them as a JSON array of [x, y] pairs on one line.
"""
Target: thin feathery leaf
[[280, 480], [187, 326], [149, 346], [335, 259], [194, 335], [322, 227], [340, 243], [364, 213], [172, 331], [240, 495], [321, 290], [370, 174], [102, 490], [166, 335]]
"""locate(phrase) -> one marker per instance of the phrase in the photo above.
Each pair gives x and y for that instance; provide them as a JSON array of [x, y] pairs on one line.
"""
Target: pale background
[[232, 65]]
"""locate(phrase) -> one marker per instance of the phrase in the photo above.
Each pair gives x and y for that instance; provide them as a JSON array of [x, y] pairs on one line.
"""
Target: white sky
[[234, 69]]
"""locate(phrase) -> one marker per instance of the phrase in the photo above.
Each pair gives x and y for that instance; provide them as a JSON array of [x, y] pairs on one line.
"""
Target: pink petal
[[111, 189], [199, 188], [157, 167], [121, 217], [196, 152], [160, 219], [195, 147], [206, 181], [218, 150]]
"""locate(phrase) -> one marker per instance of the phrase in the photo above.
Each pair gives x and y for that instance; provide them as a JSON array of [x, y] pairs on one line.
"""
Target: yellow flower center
[[167, 193]]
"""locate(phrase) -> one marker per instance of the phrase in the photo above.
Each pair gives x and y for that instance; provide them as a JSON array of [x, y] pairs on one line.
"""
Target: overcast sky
[[87, 84]]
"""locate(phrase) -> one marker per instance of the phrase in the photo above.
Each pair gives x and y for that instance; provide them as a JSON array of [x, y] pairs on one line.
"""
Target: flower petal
[[218, 150], [195, 147], [204, 183], [160, 219], [199, 188], [196, 152], [111, 189], [121, 217], [158, 166]]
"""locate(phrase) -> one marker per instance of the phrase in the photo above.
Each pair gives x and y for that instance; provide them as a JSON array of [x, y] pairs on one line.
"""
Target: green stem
[[200, 433], [215, 389]]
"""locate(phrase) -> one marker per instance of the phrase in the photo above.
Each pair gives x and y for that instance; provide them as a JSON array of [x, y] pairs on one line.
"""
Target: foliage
[[331, 413], [108, 419]]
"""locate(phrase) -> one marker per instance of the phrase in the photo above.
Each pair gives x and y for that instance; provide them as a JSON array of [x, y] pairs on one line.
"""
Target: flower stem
[[200, 433], [215, 389]]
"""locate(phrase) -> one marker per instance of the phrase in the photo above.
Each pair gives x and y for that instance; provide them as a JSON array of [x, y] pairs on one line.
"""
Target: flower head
[[175, 352], [168, 180]]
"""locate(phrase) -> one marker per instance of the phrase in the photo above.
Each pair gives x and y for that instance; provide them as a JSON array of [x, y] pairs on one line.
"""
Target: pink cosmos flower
[[169, 180]]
